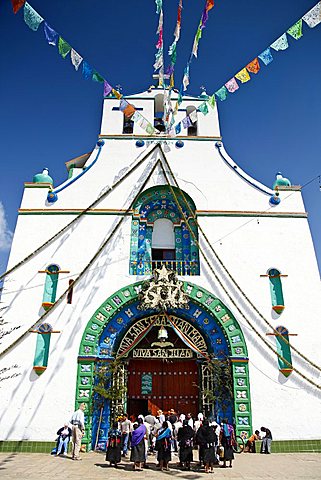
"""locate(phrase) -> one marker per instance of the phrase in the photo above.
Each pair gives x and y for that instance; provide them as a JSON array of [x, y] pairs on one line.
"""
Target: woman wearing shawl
[[185, 437], [113, 453], [227, 441], [137, 454], [163, 446], [207, 440]]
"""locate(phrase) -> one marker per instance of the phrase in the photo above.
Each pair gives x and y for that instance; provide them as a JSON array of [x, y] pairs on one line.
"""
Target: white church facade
[[240, 254]]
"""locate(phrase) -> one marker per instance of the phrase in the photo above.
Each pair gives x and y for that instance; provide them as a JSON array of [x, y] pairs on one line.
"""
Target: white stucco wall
[[34, 407]]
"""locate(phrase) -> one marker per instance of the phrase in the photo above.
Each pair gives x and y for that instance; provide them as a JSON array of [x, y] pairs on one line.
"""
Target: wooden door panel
[[174, 384]]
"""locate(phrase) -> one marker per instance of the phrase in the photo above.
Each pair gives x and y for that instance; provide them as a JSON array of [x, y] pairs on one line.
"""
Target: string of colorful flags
[[209, 4], [159, 57], [312, 18], [33, 19], [172, 51]]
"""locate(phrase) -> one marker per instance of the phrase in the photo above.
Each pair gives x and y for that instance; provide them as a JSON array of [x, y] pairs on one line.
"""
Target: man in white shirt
[[78, 427], [125, 428]]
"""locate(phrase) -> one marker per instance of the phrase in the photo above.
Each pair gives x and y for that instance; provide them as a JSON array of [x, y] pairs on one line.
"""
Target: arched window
[[192, 129], [276, 290], [163, 242], [40, 362], [283, 349], [159, 112], [51, 283], [161, 234]]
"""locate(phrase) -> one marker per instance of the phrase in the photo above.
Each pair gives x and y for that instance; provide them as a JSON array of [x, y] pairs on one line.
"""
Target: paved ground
[[35, 466]]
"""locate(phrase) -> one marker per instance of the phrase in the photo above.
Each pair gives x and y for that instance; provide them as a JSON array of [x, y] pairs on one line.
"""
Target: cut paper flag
[[243, 75], [197, 38], [208, 6], [63, 47], [232, 85], [159, 4], [193, 116], [211, 101], [50, 34], [136, 117], [313, 17], [31, 17], [144, 123], [266, 56], [116, 94], [179, 19], [158, 59], [76, 59], [107, 88], [296, 30], [150, 129], [123, 104], [97, 77], [87, 70], [178, 128], [186, 122], [159, 43], [17, 4], [221, 93], [281, 43], [129, 110], [160, 22], [253, 66], [203, 108], [186, 78]]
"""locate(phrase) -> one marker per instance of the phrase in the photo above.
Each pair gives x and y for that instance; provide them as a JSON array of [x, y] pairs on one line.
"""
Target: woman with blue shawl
[[227, 438], [113, 452], [163, 446], [137, 454]]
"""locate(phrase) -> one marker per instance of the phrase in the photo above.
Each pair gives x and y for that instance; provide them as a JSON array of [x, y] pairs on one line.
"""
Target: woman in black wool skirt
[[137, 453], [185, 437], [210, 439], [113, 453], [228, 442], [163, 446]]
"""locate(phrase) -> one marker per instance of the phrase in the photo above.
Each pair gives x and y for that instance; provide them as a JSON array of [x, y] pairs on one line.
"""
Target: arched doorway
[[118, 320]]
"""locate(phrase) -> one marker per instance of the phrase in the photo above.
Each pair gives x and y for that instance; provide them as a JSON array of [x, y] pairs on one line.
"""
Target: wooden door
[[165, 384]]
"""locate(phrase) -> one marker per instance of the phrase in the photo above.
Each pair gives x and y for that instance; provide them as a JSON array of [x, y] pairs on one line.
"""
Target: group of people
[[71, 430], [164, 434], [266, 441]]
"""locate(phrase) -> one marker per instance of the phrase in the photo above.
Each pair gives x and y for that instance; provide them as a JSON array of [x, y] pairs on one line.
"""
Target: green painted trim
[[71, 212], [48, 211], [8, 446], [253, 214], [38, 185], [158, 138], [278, 446], [294, 446], [199, 296]]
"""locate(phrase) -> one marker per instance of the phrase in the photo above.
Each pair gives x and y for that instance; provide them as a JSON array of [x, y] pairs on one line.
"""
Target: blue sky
[[50, 114]]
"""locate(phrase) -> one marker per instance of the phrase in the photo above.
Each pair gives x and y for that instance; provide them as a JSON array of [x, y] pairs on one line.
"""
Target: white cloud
[[5, 233]]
